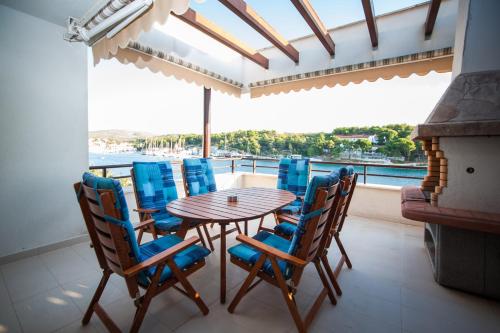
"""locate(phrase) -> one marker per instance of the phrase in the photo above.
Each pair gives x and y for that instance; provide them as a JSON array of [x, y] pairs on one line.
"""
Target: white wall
[[476, 191], [43, 132]]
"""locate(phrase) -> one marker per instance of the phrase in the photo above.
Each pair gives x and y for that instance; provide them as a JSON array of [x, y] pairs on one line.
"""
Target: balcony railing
[[412, 174]]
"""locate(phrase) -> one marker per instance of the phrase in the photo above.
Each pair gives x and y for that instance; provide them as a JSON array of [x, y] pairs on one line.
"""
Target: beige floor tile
[[82, 290], [47, 312], [66, 265], [8, 318], [26, 278]]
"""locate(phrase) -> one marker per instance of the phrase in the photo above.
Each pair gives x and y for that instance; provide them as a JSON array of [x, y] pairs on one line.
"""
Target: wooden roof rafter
[[199, 22], [249, 16], [431, 17], [307, 11], [370, 21]]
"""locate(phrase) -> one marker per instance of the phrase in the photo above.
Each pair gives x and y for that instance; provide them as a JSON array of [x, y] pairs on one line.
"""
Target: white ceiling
[[54, 11]]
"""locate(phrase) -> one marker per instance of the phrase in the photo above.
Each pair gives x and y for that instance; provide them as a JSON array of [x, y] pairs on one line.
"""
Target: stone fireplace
[[459, 198]]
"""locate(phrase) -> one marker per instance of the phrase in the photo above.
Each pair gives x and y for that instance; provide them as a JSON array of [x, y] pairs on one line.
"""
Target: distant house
[[356, 137]]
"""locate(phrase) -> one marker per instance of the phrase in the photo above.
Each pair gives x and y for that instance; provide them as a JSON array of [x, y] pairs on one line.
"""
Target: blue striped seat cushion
[[293, 175], [250, 255], [285, 228], [293, 207], [183, 259], [155, 186], [199, 176]]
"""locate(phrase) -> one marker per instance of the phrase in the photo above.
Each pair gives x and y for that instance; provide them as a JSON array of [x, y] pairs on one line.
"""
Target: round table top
[[253, 203]]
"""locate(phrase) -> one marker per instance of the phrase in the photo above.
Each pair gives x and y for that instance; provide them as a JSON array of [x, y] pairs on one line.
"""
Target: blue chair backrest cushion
[[199, 175], [100, 183], [307, 214], [345, 172], [154, 183], [293, 175]]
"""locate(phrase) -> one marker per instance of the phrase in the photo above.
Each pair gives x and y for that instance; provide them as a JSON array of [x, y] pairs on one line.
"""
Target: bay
[[224, 166]]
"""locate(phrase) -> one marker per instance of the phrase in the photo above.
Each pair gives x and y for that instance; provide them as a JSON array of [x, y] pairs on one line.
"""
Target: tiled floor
[[389, 289]]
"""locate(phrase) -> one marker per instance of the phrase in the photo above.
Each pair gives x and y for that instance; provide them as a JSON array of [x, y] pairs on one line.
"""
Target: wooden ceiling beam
[[431, 17], [249, 16], [199, 22], [370, 21], [307, 11]]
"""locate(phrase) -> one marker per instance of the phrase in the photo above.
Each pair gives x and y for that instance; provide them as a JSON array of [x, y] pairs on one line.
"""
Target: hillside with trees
[[391, 140]]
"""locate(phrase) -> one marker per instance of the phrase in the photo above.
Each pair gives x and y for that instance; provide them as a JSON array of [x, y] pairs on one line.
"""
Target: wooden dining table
[[252, 203]]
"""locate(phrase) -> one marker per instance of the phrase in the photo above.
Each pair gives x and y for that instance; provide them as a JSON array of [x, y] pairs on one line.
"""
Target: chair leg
[[200, 235], [143, 302], [187, 286], [142, 308], [276, 218], [97, 295], [331, 276], [324, 280], [209, 238], [260, 224], [288, 296], [152, 228], [139, 236], [238, 227], [342, 250], [246, 284], [246, 228]]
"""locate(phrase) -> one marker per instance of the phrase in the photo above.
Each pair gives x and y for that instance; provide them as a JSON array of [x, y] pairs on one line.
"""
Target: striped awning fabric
[[156, 61], [105, 12], [158, 13], [402, 66]]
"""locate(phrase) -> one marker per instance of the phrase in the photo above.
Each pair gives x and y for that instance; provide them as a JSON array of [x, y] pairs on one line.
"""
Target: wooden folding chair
[[293, 176], [281, 262], [155, 266], [154, 188], [348, 185], [348, 180]]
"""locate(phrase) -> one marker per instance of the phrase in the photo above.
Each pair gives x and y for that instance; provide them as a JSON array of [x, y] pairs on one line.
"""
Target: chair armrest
[[146, 210], [160, 257], [143, 224], [271, 250], [288, 218]]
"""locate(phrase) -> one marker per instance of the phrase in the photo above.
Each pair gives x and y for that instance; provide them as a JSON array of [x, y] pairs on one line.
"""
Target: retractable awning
[[168, 65], [403, 66], [414, 40]]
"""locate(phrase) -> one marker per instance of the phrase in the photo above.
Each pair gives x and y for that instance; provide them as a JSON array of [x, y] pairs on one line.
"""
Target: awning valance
[[157, 61], [418, 63]]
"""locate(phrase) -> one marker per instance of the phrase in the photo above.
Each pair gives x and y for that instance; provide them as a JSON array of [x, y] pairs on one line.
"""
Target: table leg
[[223, 263]]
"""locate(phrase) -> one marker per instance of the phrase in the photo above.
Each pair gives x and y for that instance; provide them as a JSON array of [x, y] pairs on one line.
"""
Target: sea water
[[224, 166]]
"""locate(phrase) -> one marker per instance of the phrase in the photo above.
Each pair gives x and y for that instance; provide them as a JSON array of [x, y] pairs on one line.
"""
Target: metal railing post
[[364, 174], [254, 165], [104, 172], [233, 166]]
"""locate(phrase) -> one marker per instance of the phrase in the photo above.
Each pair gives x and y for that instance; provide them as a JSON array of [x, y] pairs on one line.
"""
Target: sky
[[125, 97]]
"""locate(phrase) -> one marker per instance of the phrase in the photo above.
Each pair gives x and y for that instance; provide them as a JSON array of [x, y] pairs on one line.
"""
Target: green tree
[[363, 144]]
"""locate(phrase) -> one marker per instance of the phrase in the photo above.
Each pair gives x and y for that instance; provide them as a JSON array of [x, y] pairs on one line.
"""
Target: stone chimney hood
[[469, 107]]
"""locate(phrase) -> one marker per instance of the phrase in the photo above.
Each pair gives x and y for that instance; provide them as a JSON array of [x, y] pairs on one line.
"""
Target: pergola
[[414, 40]]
